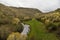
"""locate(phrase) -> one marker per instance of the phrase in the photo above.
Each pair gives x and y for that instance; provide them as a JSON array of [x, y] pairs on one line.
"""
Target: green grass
[[38, 31]]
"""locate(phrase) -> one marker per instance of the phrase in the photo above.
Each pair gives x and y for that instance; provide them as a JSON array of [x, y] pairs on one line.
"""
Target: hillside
[[22, 13], [11, 18], [44, 26], [39, 32], [51, 21]]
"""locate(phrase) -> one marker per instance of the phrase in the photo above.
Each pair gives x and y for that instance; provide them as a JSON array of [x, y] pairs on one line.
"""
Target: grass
[[38, 31]]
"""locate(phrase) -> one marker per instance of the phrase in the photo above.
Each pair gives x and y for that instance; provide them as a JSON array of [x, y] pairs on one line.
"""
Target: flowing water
[[26, 29]]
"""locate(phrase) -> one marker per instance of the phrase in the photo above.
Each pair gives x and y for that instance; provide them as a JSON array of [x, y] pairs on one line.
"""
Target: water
[[26, 29]]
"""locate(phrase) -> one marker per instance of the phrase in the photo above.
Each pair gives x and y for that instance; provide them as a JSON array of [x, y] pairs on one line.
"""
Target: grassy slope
[[38, 31]]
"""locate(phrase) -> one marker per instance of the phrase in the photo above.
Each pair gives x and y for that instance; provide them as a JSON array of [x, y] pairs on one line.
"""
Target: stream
[[26, 29]]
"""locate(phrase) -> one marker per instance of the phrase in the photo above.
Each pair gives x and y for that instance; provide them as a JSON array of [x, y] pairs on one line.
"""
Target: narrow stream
[[26, 29]]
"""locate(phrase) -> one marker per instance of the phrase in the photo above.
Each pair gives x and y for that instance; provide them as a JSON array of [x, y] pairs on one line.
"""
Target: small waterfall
[[26, 29]]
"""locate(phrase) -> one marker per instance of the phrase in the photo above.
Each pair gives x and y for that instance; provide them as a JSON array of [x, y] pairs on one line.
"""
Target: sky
[[43, 5]]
